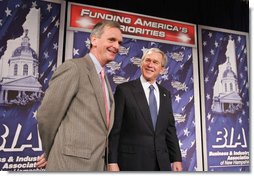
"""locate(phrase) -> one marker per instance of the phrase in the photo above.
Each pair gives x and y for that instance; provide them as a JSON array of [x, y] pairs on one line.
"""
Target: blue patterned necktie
[[153, 105]]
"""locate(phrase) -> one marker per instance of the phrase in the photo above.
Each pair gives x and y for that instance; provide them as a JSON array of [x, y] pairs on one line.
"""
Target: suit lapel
[[163, 105], [140, 97], [96, 84]]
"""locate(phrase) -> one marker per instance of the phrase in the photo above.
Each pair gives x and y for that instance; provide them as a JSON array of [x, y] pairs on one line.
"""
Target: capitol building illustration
[[228, 100], [21, 85]]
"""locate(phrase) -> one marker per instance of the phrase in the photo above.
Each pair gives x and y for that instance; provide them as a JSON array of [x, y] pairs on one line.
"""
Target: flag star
[[216, 44], [247, 85], [87, 42], [49, 33], [185, 87], [212, 52], [206, 79], [206, 59], [164, 77], [55, 46], [245, 51], [208, 97], [240, 120], [209, 129], [45, 80], [75, 51], [34, 114], [183, 47], [57, 23], [153, 43], [210, 34], [1, 22], [186, 132], [239, 39], [42, 74], [193, 142], [46, 54], [178, 98], [194, 123], [144, 49], [180, 143], [53, 19], [49, 7], [54, 68], [208, 116], [50, 62], [44, 29], [245, 68], [34, 4], [204, 43], [8, 12]]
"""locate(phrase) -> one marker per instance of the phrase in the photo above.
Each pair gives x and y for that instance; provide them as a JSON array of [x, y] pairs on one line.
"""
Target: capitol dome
[[24, 60], [24, 51], [229, 73]]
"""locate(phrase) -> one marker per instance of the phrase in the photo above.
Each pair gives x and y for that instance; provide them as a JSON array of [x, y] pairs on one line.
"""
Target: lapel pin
[[164, 95]]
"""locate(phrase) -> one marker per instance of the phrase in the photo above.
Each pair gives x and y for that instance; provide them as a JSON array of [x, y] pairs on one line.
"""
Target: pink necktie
[[105, 96]]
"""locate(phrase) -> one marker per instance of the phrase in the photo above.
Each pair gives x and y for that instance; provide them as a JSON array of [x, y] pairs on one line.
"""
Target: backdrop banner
[[225, 99], [178, 78]]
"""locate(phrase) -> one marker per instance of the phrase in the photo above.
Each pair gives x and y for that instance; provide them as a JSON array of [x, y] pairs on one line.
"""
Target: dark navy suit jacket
[[133, 142]]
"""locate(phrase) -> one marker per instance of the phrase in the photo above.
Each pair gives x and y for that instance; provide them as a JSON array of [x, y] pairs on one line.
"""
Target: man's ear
[[94, 40], [162, 70]]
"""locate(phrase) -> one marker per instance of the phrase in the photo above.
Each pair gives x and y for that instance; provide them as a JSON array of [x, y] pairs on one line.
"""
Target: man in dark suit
[[139, 140]]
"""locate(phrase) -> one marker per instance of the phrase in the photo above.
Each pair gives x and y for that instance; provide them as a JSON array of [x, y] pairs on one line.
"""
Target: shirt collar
[[146, 84], [96, 63]]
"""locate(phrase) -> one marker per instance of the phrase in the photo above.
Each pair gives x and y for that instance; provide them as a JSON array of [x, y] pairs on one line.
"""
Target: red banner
[[83, 17]]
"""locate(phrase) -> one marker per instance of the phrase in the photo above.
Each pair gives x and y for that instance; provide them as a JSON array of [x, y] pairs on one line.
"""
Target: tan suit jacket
[[72, 118]]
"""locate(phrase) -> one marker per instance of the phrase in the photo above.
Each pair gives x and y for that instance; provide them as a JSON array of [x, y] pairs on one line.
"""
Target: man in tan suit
[[75, 116]]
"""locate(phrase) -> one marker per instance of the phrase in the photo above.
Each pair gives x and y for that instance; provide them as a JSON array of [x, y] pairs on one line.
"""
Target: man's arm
[[114, 136], [62, 87]]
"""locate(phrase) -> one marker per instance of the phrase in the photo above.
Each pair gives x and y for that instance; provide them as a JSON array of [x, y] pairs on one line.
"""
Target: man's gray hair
[[99, 27], [156, 50]]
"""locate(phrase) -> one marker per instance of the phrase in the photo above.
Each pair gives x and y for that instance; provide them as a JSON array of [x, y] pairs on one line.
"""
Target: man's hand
[[177, 166], [41, 161], [113, 167]]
